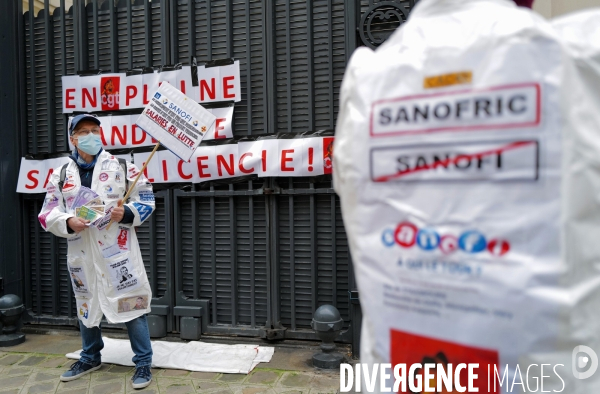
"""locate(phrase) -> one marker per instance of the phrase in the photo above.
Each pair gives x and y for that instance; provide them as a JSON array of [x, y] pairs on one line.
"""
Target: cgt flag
[[176, 121]]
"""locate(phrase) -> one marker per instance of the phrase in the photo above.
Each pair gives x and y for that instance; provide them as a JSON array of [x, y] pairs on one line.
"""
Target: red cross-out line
[[444, 163]]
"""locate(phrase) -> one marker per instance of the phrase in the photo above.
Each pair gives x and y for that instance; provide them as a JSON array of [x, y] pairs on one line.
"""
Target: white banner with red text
[[120, 131], [296, 157], [119, 91]]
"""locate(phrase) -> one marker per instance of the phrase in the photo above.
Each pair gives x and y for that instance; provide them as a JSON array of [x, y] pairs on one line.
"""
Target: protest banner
[[120, 131], [308, 156], [176, 121], [122, 91]]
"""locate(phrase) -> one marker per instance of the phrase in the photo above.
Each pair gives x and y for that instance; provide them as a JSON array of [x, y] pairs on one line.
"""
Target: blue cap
[[81, 117]]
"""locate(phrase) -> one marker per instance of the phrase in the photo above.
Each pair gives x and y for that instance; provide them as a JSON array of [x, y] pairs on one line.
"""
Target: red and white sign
[[498, 107], [264, 158], [120, 131], [114, 92], [176, 121]]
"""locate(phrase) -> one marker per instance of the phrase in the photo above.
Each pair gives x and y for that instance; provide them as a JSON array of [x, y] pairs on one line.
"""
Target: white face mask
[[90, 143]]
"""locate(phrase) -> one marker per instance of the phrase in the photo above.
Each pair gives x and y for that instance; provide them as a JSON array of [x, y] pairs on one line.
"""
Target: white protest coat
[[105, 279], [474, 227]]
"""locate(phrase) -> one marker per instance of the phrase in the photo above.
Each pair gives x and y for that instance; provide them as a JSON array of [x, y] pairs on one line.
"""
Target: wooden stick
[[136, 179]]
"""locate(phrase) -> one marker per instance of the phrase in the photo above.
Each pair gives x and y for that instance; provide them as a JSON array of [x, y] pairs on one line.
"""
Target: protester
[[102, 249]]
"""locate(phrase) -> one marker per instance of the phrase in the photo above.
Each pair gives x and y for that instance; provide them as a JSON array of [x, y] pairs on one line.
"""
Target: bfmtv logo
[[584, 357]]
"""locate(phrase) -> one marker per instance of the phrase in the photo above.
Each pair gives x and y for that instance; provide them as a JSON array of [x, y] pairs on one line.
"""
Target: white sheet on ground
[[191, 356]]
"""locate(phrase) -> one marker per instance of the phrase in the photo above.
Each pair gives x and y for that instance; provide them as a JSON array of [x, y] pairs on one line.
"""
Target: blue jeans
[[139, 336]]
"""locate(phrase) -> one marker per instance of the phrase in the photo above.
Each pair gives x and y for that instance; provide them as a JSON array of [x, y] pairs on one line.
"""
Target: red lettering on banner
[[285, 159], [146, 173], [145, 96], [32, 179], [130, 92], [182, 86], [180, 170], [310, 159], [117, 132], [102, 136], [92, 98], [204, 87], [154, 141], [264, 160], [241, 163], [134, 140], [201, 167], [157, 118], [219, 127], [69, 93], [50, 171], [165, 172], [229, 168], [226, 87]]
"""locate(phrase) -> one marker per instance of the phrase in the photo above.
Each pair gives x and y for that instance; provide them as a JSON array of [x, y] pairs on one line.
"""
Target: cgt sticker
[[143, 209]]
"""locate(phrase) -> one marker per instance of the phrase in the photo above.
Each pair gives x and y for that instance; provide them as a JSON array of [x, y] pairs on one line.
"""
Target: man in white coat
[[97, 254]]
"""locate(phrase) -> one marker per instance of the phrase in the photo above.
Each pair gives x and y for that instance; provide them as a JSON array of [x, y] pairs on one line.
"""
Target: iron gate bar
[[114, 45], [273, 267], [288, 62], [23, 86], [191, 22], [129, 36], [96, 39], [310, 65], [313, 247], [33, 114], [148, 33], [195, 268], [63, 57], [228, 28], [174, 38], [330, 63], [213, 255], [165, 30], [248, 77], [49, 77], [333, 253], [251, 245], [233, 237], [208, 31], [292, 262], [38, 271], [28, 299]]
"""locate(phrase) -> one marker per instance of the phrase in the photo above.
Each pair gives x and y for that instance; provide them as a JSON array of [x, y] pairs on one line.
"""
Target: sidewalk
[[35, 367]]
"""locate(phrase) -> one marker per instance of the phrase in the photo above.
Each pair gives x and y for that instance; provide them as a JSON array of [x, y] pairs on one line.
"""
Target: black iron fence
[[258, 256]]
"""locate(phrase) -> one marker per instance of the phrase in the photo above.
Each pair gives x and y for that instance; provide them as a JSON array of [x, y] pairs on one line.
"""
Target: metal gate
[[256, 257]]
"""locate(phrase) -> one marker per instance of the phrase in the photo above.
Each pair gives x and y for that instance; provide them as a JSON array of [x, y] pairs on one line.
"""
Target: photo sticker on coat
[[78, 280], [83, 307], [143, 209], [130, 304], [123, 275]]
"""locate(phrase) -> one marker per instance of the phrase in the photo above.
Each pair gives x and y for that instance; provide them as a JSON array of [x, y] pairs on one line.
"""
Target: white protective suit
[[108, 286], [467, 160]]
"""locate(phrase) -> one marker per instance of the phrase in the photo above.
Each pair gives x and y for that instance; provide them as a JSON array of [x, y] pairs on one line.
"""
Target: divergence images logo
[[406, 235], [581, 361]]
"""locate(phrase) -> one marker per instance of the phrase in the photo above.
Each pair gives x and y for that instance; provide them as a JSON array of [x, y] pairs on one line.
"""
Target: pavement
[[35, 366]]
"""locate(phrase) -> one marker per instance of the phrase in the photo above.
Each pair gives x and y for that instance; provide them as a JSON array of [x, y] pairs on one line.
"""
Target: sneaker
[[141, 378], [79, 369]]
